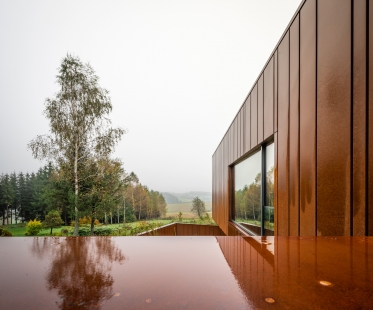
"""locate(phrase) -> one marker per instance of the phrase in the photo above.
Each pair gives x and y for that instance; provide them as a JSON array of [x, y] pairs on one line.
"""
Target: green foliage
[[33, 228], [198, 207], [52, 220], [5, 233], [64, 232], [98, 231], [80, 131], [180, 216]]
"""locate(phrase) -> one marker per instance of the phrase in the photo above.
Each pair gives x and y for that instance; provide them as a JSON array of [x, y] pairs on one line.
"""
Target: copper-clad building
[[297, 159]]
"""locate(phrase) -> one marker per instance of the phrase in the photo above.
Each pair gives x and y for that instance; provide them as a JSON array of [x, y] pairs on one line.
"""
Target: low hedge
[[98, 231]]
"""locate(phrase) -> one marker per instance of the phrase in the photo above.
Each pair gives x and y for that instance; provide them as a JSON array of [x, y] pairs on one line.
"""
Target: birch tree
[[79, 125]]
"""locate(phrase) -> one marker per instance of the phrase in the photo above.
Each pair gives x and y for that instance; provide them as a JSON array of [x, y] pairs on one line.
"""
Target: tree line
[[112, 196], [247, 200]]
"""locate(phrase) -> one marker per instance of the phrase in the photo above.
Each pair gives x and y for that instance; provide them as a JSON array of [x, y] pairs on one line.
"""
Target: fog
[[177, 73]]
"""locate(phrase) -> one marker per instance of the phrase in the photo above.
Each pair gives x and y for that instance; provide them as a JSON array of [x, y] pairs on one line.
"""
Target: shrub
[[98, 231], [33, 228], [180, 216], [85, 221], [64, 232], [5, 233], [52, 220]]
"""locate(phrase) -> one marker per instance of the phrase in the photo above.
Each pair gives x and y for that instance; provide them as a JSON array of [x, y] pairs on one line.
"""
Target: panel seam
[[352, 123], [299, 125], [367, 123], [316, 52]]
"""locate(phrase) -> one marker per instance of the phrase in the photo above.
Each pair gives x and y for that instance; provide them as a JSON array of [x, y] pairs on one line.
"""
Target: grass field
[[173, 209], [118, 229], [185, 207], [20, 229]]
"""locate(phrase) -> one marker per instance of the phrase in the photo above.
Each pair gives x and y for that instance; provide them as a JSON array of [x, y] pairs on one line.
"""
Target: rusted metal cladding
[[235, 139], [334, 117], [294, 130], [359, 149], [225, 186], [260, 109], [247, 123], [275, 94], [275, 185], [240, 131], [307, 119], [254, 116], [283, 137], [370, 123], [268, 100], [315, 98]]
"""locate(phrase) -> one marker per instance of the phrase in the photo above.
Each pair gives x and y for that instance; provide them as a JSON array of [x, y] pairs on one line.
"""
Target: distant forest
[[28, 196]]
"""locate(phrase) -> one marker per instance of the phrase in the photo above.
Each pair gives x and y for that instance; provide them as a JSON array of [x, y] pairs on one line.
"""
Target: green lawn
[[129, 229], [20, 229]]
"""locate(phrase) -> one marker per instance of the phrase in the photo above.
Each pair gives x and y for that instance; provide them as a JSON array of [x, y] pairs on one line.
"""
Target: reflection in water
[[80, 269], [302, 272]]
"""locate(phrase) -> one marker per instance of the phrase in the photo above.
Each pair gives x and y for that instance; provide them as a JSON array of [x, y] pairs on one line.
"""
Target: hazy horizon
[[177, 73]]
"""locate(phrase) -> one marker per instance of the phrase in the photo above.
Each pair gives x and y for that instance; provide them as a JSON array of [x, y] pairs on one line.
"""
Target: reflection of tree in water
[[80, 269]]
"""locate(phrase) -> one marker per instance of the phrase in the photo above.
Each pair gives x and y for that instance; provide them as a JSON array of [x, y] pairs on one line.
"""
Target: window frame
[[260, 148]]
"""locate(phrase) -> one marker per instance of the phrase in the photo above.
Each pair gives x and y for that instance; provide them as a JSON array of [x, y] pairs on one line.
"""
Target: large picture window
[[254, 192]]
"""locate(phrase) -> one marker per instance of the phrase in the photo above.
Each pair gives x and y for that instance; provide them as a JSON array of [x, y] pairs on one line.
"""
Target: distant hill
[[170, 198], [188, 197]]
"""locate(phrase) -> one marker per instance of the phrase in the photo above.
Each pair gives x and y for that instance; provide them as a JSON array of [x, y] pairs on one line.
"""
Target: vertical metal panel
[[294, 130], [242, 131], [235, 138], [370, 123], [239, 134], [275, 185], [225, 187], [333, 117], [268, 100], [254, 116], [260, 109], [247, 125], [359, 118], [283, 137], [307, 119], [275, 93], [229, 133]]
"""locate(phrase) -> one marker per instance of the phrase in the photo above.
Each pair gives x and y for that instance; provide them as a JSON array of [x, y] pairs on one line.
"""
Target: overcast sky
[[177, 73]]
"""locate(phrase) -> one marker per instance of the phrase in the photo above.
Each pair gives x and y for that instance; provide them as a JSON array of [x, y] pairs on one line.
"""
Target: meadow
[[173, 209]]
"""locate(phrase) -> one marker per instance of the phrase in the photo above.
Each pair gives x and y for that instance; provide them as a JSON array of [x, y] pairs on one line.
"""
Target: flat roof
[[186, 272]]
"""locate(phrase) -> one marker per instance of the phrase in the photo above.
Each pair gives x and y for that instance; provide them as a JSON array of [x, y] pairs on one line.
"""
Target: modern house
[[297, 160]]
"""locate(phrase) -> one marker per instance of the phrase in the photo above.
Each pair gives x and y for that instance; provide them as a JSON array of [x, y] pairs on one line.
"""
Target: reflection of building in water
[[297, 157], [302, 273]]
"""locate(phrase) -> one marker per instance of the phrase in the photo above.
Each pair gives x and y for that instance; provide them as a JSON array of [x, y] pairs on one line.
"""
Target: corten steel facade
[[314, 99]]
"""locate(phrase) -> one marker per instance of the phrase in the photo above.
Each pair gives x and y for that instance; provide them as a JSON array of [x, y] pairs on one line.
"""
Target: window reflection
[[248, 192], [247, 183], [269, 210]]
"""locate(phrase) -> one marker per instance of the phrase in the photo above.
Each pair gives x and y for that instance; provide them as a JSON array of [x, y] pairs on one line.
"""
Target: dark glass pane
[[269, 212], [247, 186]]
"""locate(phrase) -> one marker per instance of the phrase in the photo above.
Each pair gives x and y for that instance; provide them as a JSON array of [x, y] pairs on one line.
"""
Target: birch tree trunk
[[76, 227]]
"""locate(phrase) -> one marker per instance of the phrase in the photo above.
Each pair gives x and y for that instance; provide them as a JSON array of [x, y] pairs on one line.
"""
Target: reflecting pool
[[186, 272]]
